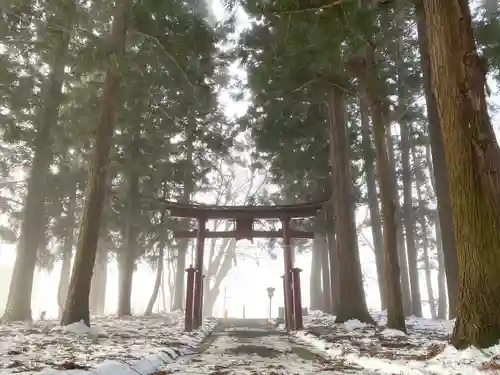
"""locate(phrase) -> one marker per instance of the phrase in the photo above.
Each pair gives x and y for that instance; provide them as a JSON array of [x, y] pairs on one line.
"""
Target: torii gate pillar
[[288, 289], [198, 281]]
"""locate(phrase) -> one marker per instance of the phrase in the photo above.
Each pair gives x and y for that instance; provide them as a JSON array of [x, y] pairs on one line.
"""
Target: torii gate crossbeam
[[244, 217]]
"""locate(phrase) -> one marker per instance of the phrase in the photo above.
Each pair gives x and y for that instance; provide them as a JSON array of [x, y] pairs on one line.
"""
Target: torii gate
[[244, 217]]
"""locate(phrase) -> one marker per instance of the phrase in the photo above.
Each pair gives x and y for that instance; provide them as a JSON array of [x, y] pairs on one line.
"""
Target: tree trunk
[[375, 222], [223, 264], [162, 290], [97, 301], [403, 261], [352, 297], [62, 290], [158, 279], [419, 176], [333, 257], [441, 273], [210, 299], [472, 158], [126, 267], [77, 303], [18, 306], [180, 276], [395, 313], [128, 254], [428, 273], [179, 294], [325, 277], [442, 189], [315, 278], [409, 220]]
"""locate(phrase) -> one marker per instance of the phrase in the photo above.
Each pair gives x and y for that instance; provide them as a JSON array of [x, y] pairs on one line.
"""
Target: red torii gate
[[244, 217]]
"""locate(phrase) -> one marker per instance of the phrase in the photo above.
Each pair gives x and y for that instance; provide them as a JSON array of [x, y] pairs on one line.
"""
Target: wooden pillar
[[188, 312], [202, 297], [297, 299], [288, 258], [198, 282], [285, 296]]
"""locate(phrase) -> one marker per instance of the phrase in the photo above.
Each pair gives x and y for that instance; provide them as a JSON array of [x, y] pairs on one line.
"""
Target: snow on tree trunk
[[473, 161], [77, 302]]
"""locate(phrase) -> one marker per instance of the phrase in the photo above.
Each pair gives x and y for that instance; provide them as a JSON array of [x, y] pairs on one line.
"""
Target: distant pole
[[270, 294], [243, 311]]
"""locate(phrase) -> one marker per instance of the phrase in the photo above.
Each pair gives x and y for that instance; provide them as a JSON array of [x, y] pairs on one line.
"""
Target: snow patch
[[424, 351], [112, 346], [353, 324]]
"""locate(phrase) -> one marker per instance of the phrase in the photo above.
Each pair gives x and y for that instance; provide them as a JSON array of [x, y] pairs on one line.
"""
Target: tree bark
[[77, 303], [325, 277], [18, 306], [180, 276], [375, 222], [374, 94], [219, 268], [403, 260], [128, 254], [315, 278], [179, 294], [419, 177], [409, 220], [334, 271], [158, 279], [441, 185], [97, 300], [333, 257], [427, 266], [62, 290], [352, 297], [472, 158], [442, 303]]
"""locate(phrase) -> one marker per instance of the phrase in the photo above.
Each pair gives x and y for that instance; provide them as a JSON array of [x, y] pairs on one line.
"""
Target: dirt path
[[252, 347]]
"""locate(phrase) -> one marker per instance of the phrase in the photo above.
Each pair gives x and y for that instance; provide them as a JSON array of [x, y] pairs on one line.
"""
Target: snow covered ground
[[253, 350], [158, 346], [424, 351], [112, 346]]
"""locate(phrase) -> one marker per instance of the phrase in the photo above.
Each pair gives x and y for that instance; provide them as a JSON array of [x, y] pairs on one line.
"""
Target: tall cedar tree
[[77, 302], [344, 207], [442, 189], [473, 161], [18, 305]]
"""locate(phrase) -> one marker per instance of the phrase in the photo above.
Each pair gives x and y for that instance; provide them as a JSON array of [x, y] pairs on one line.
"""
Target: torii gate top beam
[[291, 211]]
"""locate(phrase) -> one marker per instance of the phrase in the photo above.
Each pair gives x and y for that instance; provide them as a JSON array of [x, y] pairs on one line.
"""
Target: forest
[[110, 108]]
